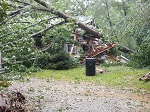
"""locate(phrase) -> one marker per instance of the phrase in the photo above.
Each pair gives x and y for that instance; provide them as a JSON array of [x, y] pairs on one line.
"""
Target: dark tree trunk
[[124, 9], [108, 14]]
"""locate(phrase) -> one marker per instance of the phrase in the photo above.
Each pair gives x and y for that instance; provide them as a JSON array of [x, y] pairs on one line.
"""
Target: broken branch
[[13, 14], [3, 22], [25, 3], [42, 3], [17, 11], [45, 49], [45, 30]]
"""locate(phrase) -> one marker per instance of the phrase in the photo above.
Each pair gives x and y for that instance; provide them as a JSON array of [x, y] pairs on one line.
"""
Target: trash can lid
[[90, 58]]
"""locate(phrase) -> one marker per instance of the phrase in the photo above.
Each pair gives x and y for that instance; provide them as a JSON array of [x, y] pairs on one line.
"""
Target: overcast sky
[[118, 0]]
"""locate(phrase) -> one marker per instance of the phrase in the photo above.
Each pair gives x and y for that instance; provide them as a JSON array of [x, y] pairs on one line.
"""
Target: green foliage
[[111, 64], [18, 50], [141, 33], [60, 60], [42, 61], [18, 55], [4, 84], [3, 8], [142, 57]]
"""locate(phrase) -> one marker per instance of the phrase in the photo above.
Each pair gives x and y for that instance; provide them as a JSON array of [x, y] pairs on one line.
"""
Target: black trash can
[[90, 66]]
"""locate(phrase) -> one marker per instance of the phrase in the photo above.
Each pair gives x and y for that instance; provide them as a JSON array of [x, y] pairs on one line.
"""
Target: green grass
[[120, 77]]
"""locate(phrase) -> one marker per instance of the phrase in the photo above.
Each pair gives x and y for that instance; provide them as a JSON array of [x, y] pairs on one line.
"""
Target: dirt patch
[[74, 96]]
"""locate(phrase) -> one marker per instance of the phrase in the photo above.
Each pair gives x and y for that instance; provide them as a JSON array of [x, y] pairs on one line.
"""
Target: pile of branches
[[12, 102]]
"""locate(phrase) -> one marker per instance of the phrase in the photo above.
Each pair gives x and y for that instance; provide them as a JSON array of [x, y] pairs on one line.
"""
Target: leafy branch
[[46, 29], [26, 27]]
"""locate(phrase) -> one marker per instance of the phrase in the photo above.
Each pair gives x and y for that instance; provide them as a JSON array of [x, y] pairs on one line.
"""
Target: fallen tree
[[66, 17], [47, 8]]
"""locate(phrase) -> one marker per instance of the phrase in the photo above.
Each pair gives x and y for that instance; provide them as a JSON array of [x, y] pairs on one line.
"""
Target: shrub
[[42, 61], [59, 61]]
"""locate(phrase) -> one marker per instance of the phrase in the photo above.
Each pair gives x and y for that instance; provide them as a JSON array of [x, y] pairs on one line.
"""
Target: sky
[[118, 0]]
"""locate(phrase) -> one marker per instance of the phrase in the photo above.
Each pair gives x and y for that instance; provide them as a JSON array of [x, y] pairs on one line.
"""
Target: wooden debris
[[145, 77], [12, 102]]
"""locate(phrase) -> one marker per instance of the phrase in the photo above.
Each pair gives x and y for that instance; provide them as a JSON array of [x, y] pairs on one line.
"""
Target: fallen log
[[125, 49]]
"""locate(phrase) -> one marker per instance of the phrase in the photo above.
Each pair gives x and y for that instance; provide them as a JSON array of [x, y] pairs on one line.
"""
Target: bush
[[42, 61], [59, 61]]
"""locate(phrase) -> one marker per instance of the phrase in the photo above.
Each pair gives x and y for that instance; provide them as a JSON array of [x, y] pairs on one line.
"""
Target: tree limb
[[13, 14], [26, 27], [3, 22], [17, 11], [43, 9], [25, 3], [26, 22], [42, 3], [47, 47], [45, 30]]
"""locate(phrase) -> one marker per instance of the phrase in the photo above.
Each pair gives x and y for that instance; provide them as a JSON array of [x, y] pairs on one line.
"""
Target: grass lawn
[[120, 77]]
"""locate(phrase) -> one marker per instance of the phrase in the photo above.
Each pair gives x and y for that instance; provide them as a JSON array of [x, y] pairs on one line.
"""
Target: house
[[77, 36], [86, 35], [91, 47]]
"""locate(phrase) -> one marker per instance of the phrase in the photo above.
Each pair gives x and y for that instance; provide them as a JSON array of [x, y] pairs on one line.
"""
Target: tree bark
[[89, 30]]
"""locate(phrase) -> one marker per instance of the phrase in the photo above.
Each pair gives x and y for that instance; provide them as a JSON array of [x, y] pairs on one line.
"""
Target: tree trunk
[[125, 49], [124, 8]]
